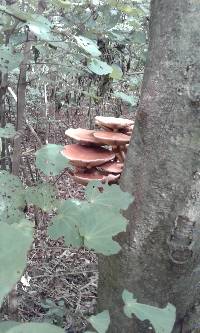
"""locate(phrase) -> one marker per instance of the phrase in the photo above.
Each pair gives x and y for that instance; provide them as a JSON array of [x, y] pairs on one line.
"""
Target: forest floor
[[60, 283]]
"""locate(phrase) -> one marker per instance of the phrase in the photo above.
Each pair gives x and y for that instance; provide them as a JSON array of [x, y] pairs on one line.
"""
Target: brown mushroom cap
[[83, 136], [111, 138], [112, 122], [112, 167], [85, 177], [83, 156]]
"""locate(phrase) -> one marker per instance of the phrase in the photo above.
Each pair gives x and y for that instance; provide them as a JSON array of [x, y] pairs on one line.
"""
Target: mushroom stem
[[121, 153], [125, 148], [117, 153]]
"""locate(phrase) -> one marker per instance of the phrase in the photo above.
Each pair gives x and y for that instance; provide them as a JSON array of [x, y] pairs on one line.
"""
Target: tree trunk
[[3, 88], [159, 260], [21, 103]]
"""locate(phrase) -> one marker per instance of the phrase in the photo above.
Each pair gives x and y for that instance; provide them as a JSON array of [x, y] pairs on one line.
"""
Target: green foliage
[[99, 67], [12, 199], [162, 319], [88, 45], [116, 73], [14, 11], [139, 37], [50, 160], [111, 198], [100, 322], [41, 27], [132, 100], [6, 325], [8, 131], [98, 230], [54, 312], [42, 196], [15, 241], [35, 328], [9, 60], [66, 223], [82, 223]]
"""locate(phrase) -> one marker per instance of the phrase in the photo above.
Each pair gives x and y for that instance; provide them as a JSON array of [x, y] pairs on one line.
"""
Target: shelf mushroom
[[112, 122], [87, 157], [112, 167], [85, 177], [127, 130], [92, 161], [115, 139], [82, 136]]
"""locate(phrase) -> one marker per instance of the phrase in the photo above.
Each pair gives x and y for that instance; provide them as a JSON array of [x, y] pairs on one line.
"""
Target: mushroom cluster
[[99, 155]]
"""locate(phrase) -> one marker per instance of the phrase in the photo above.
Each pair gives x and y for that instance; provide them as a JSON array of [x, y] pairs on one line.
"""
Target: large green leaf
[[112, 197], [64, 4], [66, 222], [94, 222], [12, 199], [88, 45], [41, 27], [15, 241], [101, 321], [50, 161], [43, 196], [8, 59], [162, 319], [8, 131], [132, 100], [14, 10], [131, 10], [99, 67], [6, 325], [35, 328], [139, 37], [116, 72], [98, 228]]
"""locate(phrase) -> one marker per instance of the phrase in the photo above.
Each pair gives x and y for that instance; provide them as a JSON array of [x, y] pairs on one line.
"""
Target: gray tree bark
[[160, 256]]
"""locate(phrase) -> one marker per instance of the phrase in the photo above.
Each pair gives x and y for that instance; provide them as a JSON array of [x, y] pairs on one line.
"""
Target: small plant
[[54, 312]]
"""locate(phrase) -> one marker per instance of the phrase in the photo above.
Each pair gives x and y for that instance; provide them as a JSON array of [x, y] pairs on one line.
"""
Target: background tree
[[160, 258]]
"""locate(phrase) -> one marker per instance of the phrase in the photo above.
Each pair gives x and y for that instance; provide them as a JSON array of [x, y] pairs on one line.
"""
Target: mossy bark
[[160, 258]]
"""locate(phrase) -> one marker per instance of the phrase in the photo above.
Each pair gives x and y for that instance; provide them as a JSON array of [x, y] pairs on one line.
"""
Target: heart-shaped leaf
[[101, 321], [66, 223], [12, 199], [50, 161], [43, 196], [132, 100], [88, 45], [8, 131], [116, 72], [162, 319], [15, 241], [99, 67], [111, 197], [98, 229]]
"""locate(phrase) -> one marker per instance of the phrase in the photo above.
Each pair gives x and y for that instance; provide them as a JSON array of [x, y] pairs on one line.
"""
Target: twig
[[26, 120], [33, 132]]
